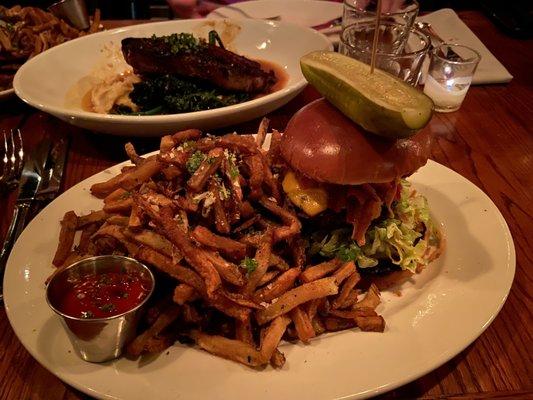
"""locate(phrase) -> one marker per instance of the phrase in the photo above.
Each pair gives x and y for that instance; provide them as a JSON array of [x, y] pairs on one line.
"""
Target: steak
[[204, 61]]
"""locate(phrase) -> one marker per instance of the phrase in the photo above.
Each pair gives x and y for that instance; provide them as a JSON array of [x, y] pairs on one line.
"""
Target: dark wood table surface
[[489, 141]]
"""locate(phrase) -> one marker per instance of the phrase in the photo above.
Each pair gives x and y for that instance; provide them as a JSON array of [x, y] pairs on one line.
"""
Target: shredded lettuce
[[399, 239]]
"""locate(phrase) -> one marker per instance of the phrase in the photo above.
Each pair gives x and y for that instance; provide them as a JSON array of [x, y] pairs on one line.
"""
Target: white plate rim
[[91, 116], [4, 94], [445, 356], [253, 4]]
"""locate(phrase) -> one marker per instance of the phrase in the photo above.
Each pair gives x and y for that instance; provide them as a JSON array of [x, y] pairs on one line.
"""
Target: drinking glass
[[399, 52], [399, 11], [451, 69]]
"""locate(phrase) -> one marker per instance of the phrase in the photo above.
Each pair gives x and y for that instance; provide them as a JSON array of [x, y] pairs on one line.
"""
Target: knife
[[53, 172], [30, 182]]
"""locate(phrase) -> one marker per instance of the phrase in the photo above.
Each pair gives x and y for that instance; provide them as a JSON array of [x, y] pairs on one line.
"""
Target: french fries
[[229, 247], [371, 300], [319, 271], [229, 348], [136, 347], [280, 285], [272, 337], [231, 267], [262, 257], [299, 295], [66, 238], [303, 325], [347, 287]]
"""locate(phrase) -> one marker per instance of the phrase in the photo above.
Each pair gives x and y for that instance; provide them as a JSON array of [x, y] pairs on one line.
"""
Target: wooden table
[[489, 141]]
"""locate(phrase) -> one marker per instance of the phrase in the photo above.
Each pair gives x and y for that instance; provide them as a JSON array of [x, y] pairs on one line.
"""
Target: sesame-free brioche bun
[[322, 144]]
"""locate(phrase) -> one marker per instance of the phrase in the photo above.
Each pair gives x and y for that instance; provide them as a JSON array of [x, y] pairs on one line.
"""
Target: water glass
[[399, 11], [399, 52], [451, 69]]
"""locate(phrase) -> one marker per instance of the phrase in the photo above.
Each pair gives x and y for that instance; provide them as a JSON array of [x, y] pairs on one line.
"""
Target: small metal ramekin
[[73, 11], [98, 339]]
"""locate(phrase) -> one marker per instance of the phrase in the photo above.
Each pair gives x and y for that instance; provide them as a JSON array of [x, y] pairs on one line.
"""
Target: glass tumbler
[[400, 52], [400, 11], [451, 69]]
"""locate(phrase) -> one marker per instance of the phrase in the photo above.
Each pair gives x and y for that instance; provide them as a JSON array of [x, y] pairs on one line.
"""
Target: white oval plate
[[6, 94], [301, 12], [440, 313], [63, 66]]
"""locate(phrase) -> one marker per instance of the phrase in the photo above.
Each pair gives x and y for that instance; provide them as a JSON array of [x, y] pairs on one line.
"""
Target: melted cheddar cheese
[[312, 200]]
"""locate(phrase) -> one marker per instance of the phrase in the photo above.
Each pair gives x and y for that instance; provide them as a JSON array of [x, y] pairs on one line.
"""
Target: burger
[[349, 188]]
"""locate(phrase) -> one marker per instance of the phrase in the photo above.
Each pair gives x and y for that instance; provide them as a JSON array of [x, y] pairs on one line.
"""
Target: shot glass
[[98, 339], [400, 11], [400, 53], [450, 73]]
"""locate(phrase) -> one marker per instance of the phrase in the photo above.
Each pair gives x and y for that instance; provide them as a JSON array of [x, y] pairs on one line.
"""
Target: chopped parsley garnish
[[234, 171], [189, 144], [107, 307], [250, 264], [194, 161], [181, 42], [125, 195]]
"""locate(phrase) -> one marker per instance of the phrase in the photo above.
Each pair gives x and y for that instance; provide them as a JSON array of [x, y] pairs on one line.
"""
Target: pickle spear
[[378, 102]]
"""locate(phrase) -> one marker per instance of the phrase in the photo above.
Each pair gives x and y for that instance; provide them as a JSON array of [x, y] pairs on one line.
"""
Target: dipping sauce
[[104, 295]]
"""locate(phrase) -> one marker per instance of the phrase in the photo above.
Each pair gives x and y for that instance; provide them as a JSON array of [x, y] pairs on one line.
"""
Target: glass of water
[[399, 52], [399, 11], [450, 74]]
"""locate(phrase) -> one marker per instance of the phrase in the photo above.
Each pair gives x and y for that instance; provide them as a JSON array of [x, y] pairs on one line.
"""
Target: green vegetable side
[[402, 239], [171, 94]]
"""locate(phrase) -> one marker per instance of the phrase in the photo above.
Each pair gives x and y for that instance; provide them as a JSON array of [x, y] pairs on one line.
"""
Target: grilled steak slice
[[208, 62]]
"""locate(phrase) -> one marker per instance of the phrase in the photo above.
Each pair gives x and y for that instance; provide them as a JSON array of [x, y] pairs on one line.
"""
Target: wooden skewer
[[376, 38]]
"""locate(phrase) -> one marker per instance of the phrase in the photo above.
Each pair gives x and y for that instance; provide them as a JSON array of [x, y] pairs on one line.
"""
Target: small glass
[[401, 11], [400, 53], [450, 74]]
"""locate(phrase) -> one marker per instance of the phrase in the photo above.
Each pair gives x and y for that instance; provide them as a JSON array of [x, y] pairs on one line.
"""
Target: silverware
[[434, 37], [244, 14], [12, 160], [30, 183], [53, 172], [334, 23], [97, 339]]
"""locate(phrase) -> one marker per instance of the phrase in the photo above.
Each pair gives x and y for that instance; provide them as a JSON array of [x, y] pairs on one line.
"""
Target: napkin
[[451, 29]]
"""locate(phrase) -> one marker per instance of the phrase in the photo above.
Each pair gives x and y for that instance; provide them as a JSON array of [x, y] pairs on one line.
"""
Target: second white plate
[[64, 65], [301, 12]]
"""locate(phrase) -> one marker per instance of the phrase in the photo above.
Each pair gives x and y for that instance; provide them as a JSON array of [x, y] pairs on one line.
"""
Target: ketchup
[[104, 295]]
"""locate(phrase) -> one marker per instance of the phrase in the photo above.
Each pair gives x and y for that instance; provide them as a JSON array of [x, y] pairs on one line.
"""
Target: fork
[[245, 14], [13, 159]]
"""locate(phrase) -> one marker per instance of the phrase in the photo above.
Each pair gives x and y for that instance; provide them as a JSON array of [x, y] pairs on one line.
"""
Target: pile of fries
[[207, 214], [28, 31]]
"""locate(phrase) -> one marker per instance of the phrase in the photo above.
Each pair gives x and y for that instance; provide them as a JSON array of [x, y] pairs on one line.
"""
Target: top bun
[[323, 144]]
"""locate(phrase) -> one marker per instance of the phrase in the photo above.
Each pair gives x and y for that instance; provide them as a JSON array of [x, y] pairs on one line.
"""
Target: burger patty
[[383, 268]]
